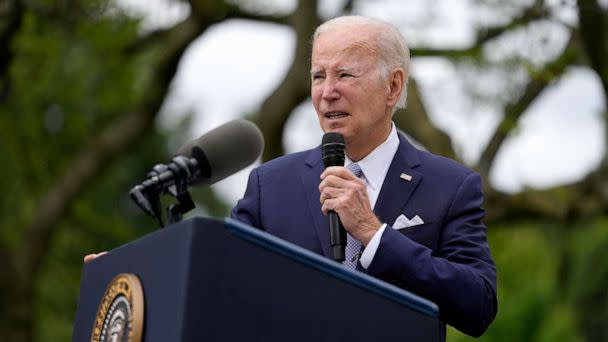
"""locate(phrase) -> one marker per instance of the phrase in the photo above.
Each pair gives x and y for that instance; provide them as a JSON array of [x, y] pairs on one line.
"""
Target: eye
[[317, 77], [345, 74]]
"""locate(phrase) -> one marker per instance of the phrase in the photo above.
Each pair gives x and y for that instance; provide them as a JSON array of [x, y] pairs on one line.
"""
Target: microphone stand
[[184, 203], [149, 201], [147, 194]]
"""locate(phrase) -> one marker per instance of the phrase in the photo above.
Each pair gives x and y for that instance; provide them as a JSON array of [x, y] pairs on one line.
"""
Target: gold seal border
[[128, 285]]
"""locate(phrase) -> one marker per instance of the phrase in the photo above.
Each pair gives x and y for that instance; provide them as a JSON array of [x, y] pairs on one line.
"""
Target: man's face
[[348, 92]]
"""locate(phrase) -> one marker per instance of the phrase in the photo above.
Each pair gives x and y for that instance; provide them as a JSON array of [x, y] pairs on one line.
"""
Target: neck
[[357, 150]]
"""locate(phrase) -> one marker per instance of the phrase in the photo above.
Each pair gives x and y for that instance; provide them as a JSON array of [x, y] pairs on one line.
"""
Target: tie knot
[[355, 169]]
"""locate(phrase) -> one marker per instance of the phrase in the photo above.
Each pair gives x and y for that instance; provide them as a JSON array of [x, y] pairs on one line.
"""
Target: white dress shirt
[[375, 167]]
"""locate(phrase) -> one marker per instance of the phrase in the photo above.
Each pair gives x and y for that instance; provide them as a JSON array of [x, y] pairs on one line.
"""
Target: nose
[[330, 91]]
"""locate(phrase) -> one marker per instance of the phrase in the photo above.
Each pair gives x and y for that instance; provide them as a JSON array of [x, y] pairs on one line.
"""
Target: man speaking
[[412, 218]]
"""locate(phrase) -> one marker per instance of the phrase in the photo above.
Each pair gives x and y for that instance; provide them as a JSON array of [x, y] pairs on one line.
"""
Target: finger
[[330, 192], [89, 257], [333, 182], [338, 171], [350, 192], [328, 205], [339, 205]]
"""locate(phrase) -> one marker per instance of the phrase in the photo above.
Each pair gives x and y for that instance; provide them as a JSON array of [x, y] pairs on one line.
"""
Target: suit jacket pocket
[[426, 234]]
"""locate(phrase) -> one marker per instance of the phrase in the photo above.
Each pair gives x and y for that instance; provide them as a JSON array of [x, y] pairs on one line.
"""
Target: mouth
[[336, 115]]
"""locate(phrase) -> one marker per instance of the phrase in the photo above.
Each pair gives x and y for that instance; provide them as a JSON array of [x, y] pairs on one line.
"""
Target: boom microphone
[[204, 161], [332, 150], [224, 151]]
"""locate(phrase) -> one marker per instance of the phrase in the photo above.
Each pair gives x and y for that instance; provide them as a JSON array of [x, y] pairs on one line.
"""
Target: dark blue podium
[[214, 280]]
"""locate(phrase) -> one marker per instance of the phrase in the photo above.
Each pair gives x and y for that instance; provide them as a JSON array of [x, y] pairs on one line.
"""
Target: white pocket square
[[403, 222]]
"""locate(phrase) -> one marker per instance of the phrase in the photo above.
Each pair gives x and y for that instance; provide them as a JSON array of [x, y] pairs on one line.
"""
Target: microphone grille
[[224, 150], [332, 149]]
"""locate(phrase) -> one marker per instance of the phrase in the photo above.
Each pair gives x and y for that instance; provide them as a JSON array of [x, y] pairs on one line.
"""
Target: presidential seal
[[120, 317]]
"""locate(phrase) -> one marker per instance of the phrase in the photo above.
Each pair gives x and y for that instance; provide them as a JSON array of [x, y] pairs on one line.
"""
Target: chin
[[340, 130], [335, 127]]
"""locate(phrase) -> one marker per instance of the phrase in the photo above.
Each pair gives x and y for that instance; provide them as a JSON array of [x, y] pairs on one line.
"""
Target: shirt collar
[[375, 165]]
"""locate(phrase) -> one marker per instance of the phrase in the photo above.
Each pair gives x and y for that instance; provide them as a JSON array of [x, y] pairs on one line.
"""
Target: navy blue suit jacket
[[446, 260]]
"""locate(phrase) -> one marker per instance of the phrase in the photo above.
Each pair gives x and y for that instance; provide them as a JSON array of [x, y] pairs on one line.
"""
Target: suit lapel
[[396, 191], [310, 181]]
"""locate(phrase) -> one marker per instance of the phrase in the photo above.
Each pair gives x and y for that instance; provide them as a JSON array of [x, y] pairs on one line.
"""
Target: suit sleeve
[[460, 277], [247, 209]]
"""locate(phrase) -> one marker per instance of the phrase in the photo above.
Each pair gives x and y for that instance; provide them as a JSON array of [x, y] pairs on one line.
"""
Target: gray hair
[[392, 48]]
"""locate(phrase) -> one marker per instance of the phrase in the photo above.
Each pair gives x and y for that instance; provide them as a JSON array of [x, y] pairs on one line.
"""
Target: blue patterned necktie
[[353, 246]]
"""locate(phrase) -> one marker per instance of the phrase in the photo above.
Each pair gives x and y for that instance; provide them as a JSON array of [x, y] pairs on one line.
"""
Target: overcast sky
[[229, 71]]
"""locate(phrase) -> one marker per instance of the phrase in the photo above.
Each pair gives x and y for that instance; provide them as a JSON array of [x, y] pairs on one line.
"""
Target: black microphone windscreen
[[332, 149], [224, 150]]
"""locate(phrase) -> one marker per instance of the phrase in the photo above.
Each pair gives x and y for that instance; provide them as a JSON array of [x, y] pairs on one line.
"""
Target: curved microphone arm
[[172, 179]]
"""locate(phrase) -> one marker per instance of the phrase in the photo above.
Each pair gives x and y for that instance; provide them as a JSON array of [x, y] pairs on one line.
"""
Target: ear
[[396, 82]]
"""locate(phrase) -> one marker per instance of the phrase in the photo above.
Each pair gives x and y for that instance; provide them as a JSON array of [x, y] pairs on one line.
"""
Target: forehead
[[340, 47]]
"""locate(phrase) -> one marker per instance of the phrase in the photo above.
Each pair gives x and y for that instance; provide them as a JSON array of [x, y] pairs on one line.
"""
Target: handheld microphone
[[332, 151]]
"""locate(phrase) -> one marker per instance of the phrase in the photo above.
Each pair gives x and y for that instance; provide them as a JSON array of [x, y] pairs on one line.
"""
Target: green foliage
[[67, 82], [587, 278], [70, 77], [552, 282], [513, 250], [103, 219]]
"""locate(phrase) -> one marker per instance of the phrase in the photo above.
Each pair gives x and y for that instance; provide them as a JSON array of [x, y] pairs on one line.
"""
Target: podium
[[221, 280]]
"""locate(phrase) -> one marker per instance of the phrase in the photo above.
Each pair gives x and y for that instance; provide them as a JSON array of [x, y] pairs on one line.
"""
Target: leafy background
[[81, 88]]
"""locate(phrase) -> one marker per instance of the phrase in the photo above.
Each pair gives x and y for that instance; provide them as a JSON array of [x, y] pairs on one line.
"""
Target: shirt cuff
[[370, 251]]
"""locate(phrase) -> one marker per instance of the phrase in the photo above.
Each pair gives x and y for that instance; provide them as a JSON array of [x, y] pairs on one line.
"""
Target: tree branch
[[513, 111], [533, 12], [584, 199], [417, 124], [348, 7], [593, 23], [230, 11], [11, 14], [593, 26], [236, 12], [294, 88]]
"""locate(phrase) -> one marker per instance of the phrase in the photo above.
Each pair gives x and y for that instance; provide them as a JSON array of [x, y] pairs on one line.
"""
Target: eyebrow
[[340, 69], [346, 68]]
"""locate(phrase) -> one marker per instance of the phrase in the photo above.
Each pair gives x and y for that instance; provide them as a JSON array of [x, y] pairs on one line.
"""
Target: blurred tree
[[79, 92], [80, 89]]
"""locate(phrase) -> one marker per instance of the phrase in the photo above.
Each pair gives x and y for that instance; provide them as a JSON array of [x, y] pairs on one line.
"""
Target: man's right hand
[[89, 257], [344, 193]]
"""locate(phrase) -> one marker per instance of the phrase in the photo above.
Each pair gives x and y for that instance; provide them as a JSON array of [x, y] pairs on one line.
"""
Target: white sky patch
[[267, 6], [302, 130], [228, 72], [560, 139], [330, 8], [451, 110], [425, 22]]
